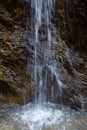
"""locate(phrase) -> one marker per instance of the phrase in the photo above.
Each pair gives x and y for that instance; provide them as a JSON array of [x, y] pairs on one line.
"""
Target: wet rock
[[71, 22], [70, 17], [15, 83], [12, 13]]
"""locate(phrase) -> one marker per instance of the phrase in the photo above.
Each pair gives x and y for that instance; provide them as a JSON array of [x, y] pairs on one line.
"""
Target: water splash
[[49, 117]]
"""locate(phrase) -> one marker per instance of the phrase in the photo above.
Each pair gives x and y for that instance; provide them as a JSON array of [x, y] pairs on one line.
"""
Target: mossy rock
[[2, 27]]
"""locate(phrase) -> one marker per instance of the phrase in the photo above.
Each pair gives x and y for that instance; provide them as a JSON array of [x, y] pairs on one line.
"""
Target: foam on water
[[38, 117], [47, 116]]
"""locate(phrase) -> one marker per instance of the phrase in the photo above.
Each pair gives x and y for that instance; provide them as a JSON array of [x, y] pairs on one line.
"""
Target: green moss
[[2, 27]]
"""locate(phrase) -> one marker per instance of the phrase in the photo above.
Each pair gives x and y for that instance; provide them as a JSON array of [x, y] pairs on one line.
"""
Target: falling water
[[44, 34]]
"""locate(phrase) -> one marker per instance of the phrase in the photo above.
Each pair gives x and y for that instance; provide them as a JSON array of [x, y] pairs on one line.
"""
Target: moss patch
[[2, 27]]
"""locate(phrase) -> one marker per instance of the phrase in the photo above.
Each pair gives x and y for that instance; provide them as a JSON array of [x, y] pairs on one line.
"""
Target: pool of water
[[45, 116]]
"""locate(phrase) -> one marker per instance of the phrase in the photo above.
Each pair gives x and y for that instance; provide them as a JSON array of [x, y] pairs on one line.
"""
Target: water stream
[[44, 37], [43, 113]]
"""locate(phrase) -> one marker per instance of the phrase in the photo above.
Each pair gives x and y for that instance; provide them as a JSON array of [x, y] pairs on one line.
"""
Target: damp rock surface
[[15, 84]]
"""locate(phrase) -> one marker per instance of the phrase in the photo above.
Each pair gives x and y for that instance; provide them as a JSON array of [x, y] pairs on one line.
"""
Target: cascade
[[43, 38]]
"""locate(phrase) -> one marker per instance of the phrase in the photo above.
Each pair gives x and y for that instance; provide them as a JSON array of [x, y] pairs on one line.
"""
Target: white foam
[[36, 117]]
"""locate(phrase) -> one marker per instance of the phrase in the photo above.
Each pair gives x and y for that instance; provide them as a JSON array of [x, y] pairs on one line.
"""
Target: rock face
[[70, 21], [15, 83]]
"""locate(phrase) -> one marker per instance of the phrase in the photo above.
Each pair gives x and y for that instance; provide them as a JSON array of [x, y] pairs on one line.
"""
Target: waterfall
[[42, 37], [48, 55]]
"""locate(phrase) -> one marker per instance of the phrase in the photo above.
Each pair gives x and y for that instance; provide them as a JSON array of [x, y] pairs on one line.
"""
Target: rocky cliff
[[70, 22], [71, 18], [15, 84]]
